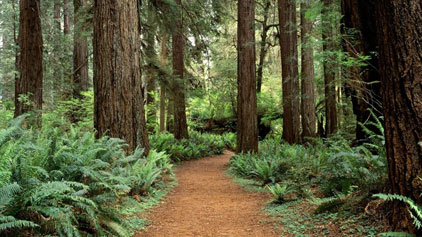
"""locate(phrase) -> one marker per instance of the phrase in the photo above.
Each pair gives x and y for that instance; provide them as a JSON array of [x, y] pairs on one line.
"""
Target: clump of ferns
[[62, 184]]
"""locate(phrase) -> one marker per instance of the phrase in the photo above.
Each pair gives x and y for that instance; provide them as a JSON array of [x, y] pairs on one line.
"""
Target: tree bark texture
[[329, 70], [247, 119], [180, 129], [163, 59], [362, 83], [30, 61], [80, 54], [400, 60], [118, 100], [308, 82], [290, 73]]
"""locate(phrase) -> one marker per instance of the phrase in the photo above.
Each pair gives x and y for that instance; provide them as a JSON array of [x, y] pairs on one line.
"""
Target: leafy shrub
[[198, 145], [332, 164], [279, 192], [66, 183]]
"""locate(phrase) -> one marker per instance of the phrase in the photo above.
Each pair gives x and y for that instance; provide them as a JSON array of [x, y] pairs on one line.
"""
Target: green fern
[[415, 210]]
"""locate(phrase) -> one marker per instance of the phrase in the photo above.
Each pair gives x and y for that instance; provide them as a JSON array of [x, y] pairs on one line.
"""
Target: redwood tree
[[290, 73], [80, 53], [308, 82], [180, 127], [400, 59], [163, 59], [30, 60], [363, 83], [247, 124], [329, 69], [118, 101]]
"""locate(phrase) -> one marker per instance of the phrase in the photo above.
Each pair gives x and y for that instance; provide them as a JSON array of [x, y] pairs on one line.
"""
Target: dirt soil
[[207, 203]]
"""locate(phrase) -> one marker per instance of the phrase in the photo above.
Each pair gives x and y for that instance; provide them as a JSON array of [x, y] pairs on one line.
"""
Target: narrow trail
[[207, 203]]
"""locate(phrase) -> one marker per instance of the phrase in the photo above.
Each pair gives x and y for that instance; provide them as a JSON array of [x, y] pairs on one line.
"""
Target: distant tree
[[363, 82], [66, 17], [80, 53], [247, 124], [290, 73], [263, 44], [118, 107], [180, 128], [163, 59], [329, 70], [30, 61], [308, 81], [400, 59], [151, 71]]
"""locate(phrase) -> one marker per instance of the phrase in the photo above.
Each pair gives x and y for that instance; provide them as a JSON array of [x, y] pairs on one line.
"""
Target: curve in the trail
[[207, 203]]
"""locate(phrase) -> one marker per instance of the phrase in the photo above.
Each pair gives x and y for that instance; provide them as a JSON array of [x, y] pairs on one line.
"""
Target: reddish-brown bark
[[290, 73], [308, 82], [400, 58], [329, 71], [180, 128], [118, 102], [30, 60], [247, 119]]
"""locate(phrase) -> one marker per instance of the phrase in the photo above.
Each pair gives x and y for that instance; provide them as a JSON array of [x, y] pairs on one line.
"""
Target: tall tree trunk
[[66, 17], [57, 53], [363, 83], [150, 75], [80, 54], [57, 13], [163, 59], [247, 119], [308, 82], [400, 60], [263, 46], [329, 70], [290, 73], [118, 102], [30, 59], [180, 124]]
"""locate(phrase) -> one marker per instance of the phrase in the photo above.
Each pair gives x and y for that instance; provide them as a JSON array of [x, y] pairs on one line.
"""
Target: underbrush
[[341, 175], [198, 145], [67, 183]]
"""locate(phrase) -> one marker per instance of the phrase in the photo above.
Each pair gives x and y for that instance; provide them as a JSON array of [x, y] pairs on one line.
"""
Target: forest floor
[[207, 203]]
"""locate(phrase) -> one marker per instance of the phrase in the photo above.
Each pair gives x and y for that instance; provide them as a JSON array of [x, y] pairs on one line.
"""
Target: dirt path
[[207, 203]]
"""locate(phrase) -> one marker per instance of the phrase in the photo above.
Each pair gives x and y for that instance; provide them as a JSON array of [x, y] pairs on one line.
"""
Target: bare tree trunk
[[247, 120], [164, 55], [30, 82], [80, 54], [400, 59], [290, 74], [308, 82], [180, 124], [118, 102], [329, 71], [363, 83]]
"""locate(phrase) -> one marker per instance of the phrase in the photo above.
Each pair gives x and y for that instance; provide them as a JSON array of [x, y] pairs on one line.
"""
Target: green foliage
[[333, 164], [415, 210], [67, 183], [198, 145], [279, 192]]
